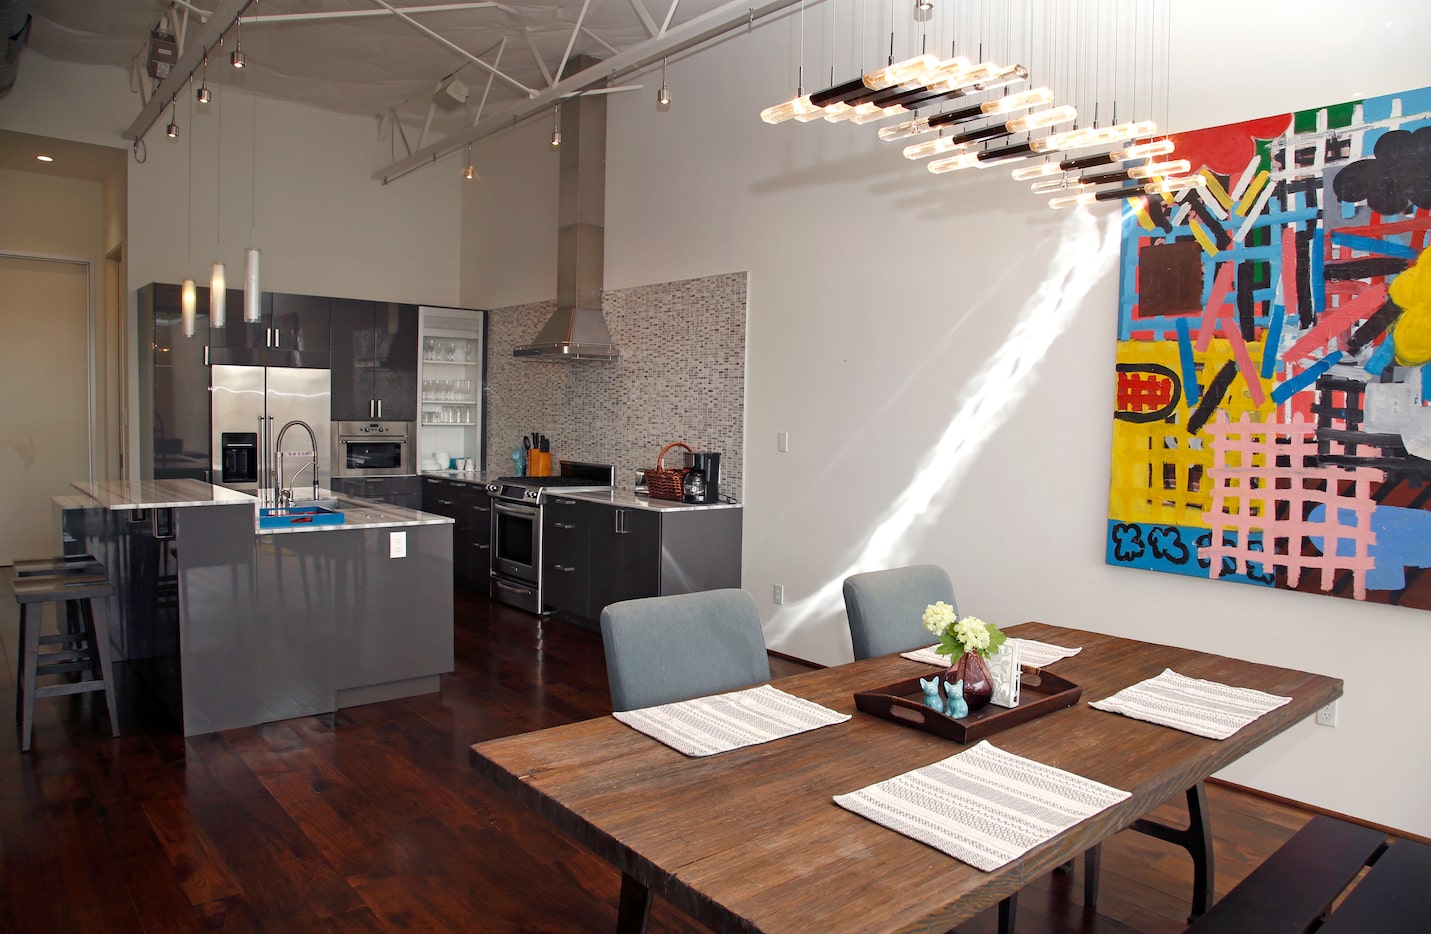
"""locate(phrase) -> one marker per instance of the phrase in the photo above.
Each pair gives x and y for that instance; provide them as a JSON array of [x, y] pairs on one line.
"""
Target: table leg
[[635, 908], [1092, 866], [1196, 838], [1008, 911]]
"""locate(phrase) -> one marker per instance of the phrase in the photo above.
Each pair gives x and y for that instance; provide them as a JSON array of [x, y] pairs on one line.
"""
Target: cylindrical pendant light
[[187, 302], [218, 299], [252, 298]]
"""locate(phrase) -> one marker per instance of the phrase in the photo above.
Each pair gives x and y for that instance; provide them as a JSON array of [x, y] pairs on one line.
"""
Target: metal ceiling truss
[[668, 42], [663, 42]]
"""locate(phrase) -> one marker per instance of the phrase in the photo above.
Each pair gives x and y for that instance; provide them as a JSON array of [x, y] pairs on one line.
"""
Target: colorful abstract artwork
[[1272, 423]]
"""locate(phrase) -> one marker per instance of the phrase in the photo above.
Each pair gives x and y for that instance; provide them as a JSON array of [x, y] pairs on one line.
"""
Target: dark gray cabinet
[[470, 508], [374, 360], [174, 388], [396, 491], [566, 555], [595, 554], [292, 331]]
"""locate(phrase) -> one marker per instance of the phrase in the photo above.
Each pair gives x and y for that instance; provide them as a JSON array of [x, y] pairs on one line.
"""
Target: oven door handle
[[511, 509]]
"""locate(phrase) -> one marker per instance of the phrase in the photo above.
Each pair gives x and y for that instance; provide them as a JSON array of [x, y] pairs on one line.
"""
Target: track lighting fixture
[[172, 130], [202, 95], [663, 99], [556, 126], [923, 11], [470, 172], [237, 58]]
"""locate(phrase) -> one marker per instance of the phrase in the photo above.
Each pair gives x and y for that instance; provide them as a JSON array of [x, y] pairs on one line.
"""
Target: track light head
[[172, 130], [663, 98], [923, 11], [237, 58], [202, 95]]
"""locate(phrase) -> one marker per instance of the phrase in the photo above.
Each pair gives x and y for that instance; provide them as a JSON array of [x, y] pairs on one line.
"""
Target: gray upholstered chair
[[886, 608], [665, 649]]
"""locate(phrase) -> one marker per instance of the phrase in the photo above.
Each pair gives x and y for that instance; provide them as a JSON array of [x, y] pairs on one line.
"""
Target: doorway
[[44, 388]]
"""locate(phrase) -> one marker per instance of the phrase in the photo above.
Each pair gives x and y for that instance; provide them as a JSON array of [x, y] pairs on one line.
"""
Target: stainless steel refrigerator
[[250, 405]]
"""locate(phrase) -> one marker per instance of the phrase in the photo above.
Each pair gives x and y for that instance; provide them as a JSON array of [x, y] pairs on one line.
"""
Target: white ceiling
[[374, 65]]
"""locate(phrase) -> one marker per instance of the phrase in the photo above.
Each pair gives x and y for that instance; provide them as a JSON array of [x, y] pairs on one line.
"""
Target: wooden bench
[[1298, 887]]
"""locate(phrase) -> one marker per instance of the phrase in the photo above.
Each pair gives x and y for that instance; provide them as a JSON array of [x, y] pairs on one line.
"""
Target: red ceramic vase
[[978, 682]]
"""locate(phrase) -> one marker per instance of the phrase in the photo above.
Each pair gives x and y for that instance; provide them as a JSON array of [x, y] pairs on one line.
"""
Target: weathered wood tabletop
[[751, 840]]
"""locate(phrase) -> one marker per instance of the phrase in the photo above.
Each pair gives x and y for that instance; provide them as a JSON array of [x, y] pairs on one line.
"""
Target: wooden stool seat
[[84, 644]]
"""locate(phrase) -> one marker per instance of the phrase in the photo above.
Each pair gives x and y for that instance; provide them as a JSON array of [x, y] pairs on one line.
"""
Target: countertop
[[158, 494], [622, 498], [629, 500], [366, 514], [167, 494]]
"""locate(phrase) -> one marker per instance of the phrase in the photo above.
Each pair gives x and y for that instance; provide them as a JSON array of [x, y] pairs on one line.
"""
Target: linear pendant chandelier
[[972, 133]]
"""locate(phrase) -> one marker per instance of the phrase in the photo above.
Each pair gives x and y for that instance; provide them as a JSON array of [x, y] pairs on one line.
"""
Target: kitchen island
[[231, 625]]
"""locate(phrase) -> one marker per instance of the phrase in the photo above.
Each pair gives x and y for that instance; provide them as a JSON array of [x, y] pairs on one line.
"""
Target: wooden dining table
[[751, 840]]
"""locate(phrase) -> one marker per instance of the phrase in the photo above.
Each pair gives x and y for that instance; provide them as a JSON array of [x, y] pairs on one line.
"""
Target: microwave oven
[[373, 449]]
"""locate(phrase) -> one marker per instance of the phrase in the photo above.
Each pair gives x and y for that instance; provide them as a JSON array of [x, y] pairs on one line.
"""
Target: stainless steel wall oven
[[373, 449]]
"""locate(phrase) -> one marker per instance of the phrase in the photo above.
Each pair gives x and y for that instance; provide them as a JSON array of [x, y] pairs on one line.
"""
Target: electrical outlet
[[397, 544], [779, 594], [782, 441], [1327, 716]]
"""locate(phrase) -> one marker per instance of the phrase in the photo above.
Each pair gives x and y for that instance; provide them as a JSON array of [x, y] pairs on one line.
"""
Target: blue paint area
[[1191, 390], [1425, 382], [1374, 245], [1403, 540], [1174, 549], [1294, 384], [1272, 342], [1381, 358]]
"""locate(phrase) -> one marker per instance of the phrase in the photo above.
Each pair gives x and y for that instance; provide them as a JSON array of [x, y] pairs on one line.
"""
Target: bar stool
[[84, 647]]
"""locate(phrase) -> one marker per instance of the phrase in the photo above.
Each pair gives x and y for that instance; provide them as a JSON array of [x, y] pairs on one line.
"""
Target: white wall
[[323, 226], [893, 311]]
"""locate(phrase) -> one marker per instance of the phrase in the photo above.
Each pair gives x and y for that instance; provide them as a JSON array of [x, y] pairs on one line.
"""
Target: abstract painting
[[1272, 422]]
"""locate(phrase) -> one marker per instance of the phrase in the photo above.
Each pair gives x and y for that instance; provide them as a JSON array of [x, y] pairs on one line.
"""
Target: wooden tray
[[903, 702]]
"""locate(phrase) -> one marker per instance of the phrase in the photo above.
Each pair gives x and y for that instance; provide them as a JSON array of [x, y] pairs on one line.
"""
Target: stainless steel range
[[517, 528]]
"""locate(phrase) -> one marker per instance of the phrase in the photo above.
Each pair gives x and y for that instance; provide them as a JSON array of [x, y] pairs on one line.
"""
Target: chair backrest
[[665, 649], [886, 608]]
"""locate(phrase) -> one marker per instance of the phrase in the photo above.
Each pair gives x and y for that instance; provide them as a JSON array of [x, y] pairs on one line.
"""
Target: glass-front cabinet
[[451, 378]]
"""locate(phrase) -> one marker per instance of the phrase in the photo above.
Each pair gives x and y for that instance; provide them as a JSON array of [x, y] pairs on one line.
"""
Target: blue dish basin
[[297, 517]]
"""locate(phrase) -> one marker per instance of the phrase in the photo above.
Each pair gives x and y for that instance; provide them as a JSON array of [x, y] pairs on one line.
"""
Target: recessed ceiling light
[[44, 158]]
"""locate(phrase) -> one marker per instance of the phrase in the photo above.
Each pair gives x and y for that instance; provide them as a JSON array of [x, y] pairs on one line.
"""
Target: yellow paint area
[[1411, 291], [1159, 471]]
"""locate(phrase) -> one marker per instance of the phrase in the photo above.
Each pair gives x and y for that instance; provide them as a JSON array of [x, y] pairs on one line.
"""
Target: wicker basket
[[667, 484]]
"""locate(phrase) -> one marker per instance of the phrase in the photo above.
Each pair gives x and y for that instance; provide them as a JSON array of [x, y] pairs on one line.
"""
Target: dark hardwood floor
[[371, 819]]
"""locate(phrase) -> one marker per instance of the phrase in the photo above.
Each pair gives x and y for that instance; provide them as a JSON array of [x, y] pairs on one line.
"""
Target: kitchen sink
[[279, 517]]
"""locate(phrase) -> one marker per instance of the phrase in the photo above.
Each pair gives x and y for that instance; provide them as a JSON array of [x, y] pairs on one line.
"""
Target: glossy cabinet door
[[374, 348], [476, 505], [351, 330], [395, 331], [161, 323], [297, 330], [626, 556], [566, 556], [239, 342]]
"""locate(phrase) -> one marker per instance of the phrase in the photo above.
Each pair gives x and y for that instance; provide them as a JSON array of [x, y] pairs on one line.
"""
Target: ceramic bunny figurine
[[932, 700], [957, 707]]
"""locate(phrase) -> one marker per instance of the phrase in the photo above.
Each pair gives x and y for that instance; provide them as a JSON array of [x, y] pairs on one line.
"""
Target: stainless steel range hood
[[578, 331]]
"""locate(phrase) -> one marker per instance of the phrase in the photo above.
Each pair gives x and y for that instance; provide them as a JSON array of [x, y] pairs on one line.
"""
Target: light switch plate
[[397, 544], [782, 441]]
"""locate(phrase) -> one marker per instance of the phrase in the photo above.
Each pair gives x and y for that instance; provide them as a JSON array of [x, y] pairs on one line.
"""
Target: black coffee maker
[[702, 483]]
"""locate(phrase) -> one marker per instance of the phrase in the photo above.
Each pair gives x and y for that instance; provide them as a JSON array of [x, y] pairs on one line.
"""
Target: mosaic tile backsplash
[[680, 377]]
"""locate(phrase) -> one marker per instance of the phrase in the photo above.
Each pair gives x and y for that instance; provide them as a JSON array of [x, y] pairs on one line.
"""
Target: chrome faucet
[[283, 496]]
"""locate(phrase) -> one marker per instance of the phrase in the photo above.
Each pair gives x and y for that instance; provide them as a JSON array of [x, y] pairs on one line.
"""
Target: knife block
[[539, 463]]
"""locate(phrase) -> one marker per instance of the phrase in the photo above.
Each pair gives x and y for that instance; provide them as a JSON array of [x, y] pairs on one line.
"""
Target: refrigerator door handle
[[380, 408]]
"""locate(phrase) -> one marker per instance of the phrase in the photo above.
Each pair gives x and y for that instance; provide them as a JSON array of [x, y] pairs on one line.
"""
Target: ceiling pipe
[[709, 25]]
